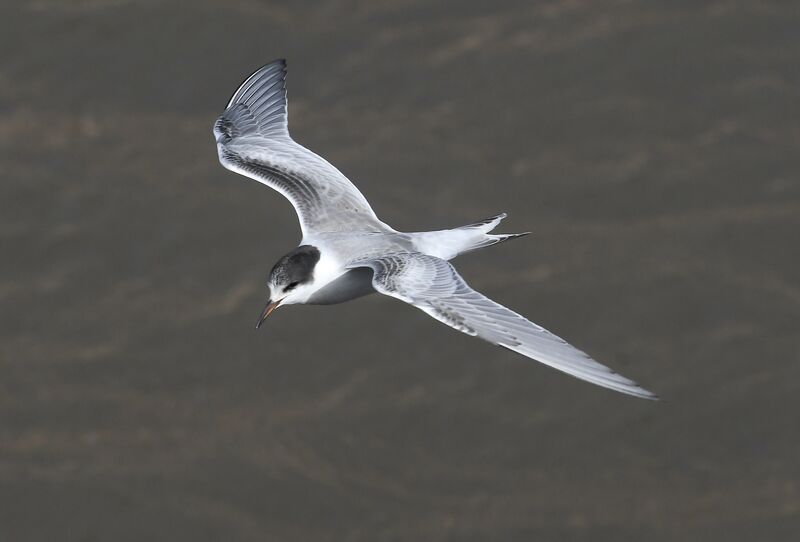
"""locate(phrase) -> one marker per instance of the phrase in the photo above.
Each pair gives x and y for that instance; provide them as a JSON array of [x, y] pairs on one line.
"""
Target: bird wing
[[253, 139], [433, 285]]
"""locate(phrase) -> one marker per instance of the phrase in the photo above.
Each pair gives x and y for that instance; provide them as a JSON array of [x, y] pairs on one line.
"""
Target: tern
[[347, 252]]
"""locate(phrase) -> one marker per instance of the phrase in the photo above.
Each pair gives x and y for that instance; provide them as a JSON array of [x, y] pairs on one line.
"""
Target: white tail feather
[[448, 244]]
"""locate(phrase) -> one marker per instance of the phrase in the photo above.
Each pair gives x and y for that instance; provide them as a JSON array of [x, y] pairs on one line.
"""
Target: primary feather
[[433, 285], [253, 139]]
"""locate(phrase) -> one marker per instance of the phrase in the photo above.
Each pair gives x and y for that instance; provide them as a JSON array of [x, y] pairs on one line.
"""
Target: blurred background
[[651, 147]]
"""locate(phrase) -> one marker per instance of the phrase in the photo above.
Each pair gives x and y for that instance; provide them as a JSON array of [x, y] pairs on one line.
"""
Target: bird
[[347, 252]]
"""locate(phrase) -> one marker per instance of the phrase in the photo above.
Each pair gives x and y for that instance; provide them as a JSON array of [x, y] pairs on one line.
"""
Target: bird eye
[[290, 286]]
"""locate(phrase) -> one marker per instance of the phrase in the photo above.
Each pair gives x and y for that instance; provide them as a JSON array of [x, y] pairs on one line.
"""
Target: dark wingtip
[[277, 62], [646, 394]]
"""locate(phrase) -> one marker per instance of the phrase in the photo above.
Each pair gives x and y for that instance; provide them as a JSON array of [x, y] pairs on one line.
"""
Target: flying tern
[[347, 251]]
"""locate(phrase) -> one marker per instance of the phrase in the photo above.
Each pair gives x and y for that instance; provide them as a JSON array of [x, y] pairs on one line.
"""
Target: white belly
[[354, 283]]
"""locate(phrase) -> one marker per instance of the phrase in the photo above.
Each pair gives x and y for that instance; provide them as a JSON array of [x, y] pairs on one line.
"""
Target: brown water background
[[653, 149]]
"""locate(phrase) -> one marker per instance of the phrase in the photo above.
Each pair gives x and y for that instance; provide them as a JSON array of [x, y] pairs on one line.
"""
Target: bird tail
[[484, 227], [448, 244], [483, 238]]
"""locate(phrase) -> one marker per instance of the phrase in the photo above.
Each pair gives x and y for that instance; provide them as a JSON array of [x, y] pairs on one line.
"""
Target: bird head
[[291, 279]]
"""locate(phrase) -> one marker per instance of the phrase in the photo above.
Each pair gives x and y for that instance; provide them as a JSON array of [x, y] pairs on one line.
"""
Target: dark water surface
[[652, 148]]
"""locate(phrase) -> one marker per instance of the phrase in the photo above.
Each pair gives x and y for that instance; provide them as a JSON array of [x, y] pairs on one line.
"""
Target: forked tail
[[484, 227], [448, 244]]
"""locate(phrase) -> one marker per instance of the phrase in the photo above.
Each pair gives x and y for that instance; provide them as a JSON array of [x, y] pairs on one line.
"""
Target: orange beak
[[271, 306]]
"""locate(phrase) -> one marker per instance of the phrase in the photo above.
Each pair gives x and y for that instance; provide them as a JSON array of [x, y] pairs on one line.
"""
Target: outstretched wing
[[253, 139], [434, 286]]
